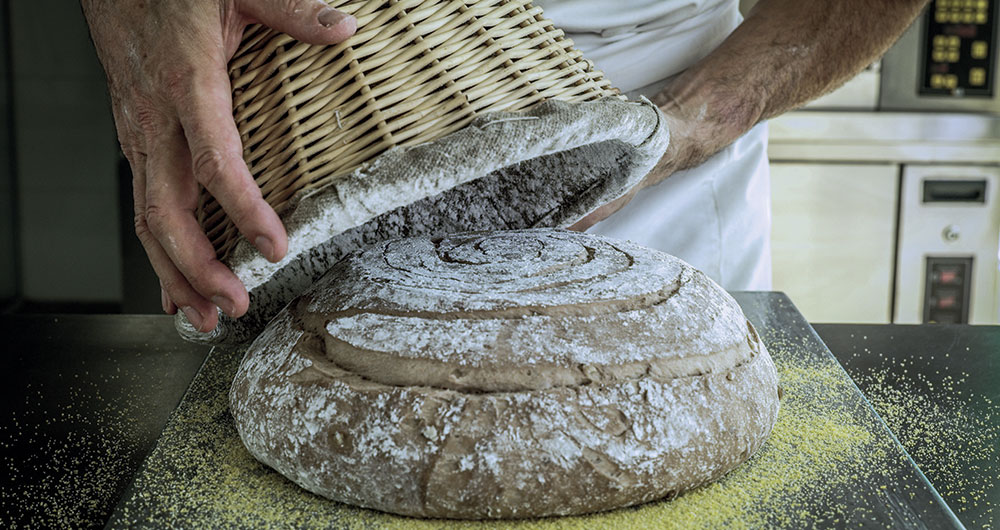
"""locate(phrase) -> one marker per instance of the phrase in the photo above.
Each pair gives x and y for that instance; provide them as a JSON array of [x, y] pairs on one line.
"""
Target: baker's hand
[[605, 210], [166, 64], [785, 53]]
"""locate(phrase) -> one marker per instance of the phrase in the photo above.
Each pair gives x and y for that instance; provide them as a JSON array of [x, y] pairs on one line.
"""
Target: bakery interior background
[[884, 194]]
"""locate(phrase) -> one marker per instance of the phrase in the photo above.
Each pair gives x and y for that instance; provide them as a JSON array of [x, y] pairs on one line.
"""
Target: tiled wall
[[66, 158]]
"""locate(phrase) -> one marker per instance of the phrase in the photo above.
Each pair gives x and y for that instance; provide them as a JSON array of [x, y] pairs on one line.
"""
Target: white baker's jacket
[[715, 216]]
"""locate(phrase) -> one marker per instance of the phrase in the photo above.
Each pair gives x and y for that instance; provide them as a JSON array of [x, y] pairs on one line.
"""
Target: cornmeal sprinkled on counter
[[79, 459], [822, 447], [950, 435]]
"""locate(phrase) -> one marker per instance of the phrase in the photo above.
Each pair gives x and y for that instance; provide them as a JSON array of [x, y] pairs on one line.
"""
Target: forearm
[[786, 53]]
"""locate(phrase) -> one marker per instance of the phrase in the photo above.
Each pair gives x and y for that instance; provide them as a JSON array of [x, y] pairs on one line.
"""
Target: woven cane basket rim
[[415, 71]]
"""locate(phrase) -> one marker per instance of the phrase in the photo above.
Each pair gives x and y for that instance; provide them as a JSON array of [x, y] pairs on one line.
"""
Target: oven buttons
[[980, 49], [957, 51], [946, 291]]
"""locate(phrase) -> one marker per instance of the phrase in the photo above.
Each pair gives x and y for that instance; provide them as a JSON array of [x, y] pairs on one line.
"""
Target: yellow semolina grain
[[951, 436], [80, 455], [200, 475]]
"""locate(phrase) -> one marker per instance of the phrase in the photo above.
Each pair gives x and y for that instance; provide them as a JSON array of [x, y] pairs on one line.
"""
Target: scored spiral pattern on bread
[[506, 374], [520, 310], [524, 270]]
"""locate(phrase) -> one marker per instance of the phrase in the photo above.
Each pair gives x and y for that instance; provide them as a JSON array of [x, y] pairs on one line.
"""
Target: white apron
[[715, 216]]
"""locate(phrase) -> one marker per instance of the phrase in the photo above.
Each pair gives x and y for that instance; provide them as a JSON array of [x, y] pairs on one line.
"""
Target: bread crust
[[506, 375]]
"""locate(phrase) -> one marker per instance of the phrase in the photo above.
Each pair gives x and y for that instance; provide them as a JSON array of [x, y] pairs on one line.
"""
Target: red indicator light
[[946, 302]]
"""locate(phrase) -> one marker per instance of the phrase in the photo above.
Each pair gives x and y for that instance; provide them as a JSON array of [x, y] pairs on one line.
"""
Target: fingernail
[[330, 17], [265, 246], [193, 316], [163, 301], [225, 304]]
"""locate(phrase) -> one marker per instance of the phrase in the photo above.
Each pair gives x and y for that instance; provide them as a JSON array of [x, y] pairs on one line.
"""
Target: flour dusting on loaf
[[506, 374]]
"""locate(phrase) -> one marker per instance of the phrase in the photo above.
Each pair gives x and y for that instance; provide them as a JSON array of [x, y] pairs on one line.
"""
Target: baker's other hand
[[166, 64]]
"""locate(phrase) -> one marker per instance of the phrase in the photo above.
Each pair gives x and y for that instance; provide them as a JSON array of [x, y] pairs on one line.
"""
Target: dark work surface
[[85, 399], [938, 387], [873, 484]]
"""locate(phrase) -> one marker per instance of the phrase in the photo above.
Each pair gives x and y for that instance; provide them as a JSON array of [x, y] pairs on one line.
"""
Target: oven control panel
[[948, 60], [958, 48]]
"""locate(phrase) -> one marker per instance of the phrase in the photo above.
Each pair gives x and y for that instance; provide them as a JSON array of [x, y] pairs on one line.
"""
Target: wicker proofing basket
[[317, 121]]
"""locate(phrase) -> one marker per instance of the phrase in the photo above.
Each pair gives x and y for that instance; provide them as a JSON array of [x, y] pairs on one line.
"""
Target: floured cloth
[[547, 166]]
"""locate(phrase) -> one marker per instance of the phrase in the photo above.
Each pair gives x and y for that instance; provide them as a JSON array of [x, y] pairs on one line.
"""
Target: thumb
[[310, 21]]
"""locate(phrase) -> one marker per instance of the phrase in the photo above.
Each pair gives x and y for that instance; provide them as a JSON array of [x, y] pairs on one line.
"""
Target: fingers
[[310, 21], [171, 280], [183, 257], [128, 139], [153, 217], [588, 221], [603, 212], [583, 224], [200, 312], [169, 307], [217, 161]]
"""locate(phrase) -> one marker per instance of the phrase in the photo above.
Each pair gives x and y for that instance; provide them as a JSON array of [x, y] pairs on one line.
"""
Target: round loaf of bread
[[505, 375]]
